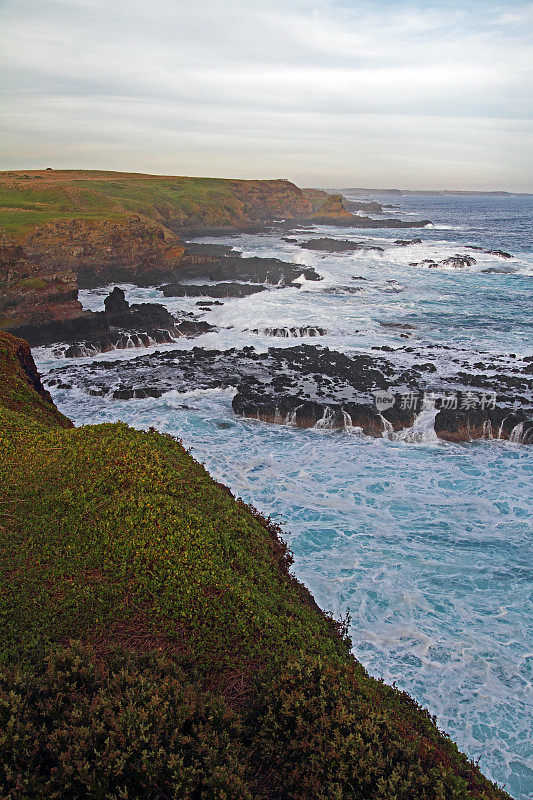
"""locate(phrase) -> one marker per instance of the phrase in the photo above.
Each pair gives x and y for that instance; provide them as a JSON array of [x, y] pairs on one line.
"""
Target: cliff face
[[34, 198], [239, 204], [81, 245], [35, 289], [60, 230], [331, 209], [20, 384], [39, 279], [266, 200]]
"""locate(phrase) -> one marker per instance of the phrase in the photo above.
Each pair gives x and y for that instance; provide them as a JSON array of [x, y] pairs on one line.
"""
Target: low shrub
[[121, 728]]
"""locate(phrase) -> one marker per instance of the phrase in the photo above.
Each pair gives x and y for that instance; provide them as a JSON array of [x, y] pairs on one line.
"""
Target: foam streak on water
[[426, 542]]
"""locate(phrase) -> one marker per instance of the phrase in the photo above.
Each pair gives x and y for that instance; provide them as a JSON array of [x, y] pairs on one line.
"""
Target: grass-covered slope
[[154, 644], [20, 386], [33, 198]]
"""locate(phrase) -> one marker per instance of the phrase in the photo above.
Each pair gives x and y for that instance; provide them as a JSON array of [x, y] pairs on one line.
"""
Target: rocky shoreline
[[305, 386], [310, 386], [42, 266]]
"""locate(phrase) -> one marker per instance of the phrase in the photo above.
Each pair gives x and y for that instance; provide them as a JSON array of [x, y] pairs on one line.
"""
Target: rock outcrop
[[35, 290], [120, 326], [21, 388], [211, 290], [253, 269], [309, 386], [338, 245], [457, 261]]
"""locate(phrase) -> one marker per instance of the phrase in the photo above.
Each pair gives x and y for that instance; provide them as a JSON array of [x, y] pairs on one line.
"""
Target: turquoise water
[[427, 543]]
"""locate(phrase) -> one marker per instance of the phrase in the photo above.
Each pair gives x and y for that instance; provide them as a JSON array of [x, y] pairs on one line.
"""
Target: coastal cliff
[[65, 229], [40, 278], [155, 644]]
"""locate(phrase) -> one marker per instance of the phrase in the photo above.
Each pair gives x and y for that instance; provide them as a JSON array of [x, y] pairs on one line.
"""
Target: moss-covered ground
[[154, 644]]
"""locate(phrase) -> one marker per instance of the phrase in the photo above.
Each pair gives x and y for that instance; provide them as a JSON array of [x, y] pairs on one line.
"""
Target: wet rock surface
[[308, 386], [120, 326], [500, 253], [292, 333], [359, 221], [230, 289], [458, 261], [253, 269], [338, 245]]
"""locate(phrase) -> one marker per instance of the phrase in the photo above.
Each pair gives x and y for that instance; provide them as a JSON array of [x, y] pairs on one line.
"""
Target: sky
[[330, 93]]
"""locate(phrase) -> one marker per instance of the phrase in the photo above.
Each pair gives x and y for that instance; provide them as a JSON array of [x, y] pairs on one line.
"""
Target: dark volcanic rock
[[259, 270], [457, 261], [306, 385], [497, 423], [302, 413], [452, 425], [500, 253], [215, 262], [115, 302], [130, 394], [211, 290], [120, 326], [193, 327], [115, 340], [370, 207], [292, 333], [209, 303], [406, 242], [338, 245], [356, 221]]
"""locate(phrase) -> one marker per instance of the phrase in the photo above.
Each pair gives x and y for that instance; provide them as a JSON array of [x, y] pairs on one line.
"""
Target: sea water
[[426, 543]]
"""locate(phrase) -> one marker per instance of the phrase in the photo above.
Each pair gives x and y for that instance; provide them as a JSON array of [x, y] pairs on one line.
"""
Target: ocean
[[425, 543]]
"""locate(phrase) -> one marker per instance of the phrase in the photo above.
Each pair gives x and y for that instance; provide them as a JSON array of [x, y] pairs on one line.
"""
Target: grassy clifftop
[[155, 645], [31, 198]]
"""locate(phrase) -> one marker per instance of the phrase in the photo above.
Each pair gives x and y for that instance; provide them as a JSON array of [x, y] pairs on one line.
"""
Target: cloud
[[395, 92]]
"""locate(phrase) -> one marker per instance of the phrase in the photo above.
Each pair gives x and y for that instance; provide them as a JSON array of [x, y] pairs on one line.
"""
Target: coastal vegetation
[[156, 645], [32, 198]]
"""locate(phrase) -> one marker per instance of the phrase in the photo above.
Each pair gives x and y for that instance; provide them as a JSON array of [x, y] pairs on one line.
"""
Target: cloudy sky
[[327, 92]]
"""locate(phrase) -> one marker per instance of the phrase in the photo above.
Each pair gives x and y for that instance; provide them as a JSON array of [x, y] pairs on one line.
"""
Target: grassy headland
[[155, 645], [57, 226], [36, 197]]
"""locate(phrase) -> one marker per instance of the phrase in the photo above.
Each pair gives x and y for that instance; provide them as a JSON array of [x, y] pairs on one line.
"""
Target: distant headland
[[439, 192]]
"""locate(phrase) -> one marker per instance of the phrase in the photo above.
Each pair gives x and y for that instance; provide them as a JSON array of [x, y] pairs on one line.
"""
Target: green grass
[[136, 510], [36, 199], [155, 645]]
